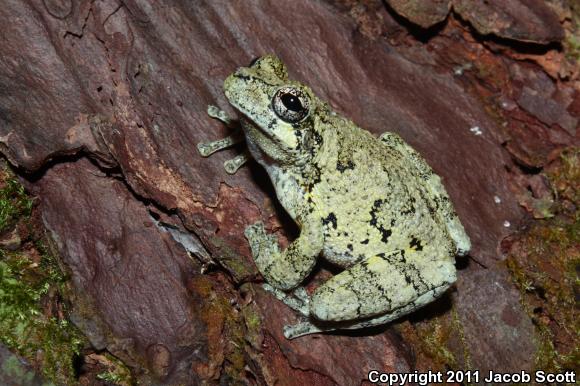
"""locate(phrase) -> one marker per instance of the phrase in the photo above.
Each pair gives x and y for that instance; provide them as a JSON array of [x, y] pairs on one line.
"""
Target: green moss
[[117, 373], [458, 328], [435, 339], [234, 361], [25, 329], [109, 376], [572, 41], [14, 203], [253, 323], [232, 261], [548, 358], [252, 318], [224, 323], [13, 370], [544, 265], [30, 279]]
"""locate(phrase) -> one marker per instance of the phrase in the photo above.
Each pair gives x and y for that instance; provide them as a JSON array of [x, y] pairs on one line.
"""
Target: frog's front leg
[[285, 270], [208, 148]]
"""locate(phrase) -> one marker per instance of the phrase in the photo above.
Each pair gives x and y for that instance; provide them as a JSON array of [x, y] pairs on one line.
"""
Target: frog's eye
[[291, 104]]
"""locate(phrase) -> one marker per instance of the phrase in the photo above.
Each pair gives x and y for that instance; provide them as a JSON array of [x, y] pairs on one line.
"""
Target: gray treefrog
[[369, 205]]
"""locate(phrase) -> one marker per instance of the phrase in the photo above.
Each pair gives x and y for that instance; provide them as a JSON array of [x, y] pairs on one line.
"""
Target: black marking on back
[[251, 78], [412, 275], [385, 233], [416, 244], [375, 278], [409, 206], [342, 166], [330, 219]]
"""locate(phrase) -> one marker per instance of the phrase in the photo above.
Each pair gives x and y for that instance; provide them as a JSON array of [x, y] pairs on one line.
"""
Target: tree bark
[[102, 104]]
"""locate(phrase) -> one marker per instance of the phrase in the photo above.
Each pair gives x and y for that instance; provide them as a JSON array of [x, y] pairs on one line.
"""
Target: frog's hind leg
[[433, 181], [208, 148], [380, 289], [306, 327]]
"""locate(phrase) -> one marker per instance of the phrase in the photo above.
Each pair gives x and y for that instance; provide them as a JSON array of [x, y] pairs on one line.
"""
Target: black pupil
[[291, 102]]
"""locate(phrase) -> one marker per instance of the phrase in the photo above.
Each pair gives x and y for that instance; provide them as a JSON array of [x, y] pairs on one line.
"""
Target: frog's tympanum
[[369, 205]]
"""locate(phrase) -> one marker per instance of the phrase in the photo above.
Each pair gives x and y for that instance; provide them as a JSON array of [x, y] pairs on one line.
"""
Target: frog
[[370, 205]]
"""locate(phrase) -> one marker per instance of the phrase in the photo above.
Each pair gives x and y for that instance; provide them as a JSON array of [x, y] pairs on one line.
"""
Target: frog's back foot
[[301, 329]]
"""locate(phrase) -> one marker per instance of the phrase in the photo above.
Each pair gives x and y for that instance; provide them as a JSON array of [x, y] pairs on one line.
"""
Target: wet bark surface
[[102, 104]]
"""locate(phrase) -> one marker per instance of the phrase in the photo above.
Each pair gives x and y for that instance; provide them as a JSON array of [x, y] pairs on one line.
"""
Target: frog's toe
[[300, 329], [213, 110], [255, 231], [267, 287], [302, 294], [297, 303], [205, 148], [217, 113], [232, 165]]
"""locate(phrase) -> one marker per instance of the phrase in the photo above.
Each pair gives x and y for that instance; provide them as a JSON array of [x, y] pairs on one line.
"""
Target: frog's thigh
[[434, 181], [376, 286], [306, 327]]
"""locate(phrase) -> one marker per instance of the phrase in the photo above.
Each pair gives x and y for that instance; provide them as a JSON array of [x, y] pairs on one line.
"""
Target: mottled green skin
[[372, 206]]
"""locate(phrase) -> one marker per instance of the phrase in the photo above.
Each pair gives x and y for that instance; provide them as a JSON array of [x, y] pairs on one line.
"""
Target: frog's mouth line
[[248, 124], [271, 148]]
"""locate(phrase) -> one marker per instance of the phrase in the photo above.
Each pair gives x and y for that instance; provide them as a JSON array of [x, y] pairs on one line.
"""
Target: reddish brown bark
[[104, 102]]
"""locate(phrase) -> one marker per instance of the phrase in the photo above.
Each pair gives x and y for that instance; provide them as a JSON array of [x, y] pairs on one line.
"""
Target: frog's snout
[[230, 84]]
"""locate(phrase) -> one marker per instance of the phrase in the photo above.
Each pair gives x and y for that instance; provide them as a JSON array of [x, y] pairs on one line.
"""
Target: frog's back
[[372, 200]]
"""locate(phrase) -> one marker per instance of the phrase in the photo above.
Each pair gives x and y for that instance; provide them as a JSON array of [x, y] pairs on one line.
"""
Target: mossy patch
[[438, 338], [572, 41], [225, 358], [116, 372], [434, 336], [32, 315], [544, 263], [14, 202], [232, 261]]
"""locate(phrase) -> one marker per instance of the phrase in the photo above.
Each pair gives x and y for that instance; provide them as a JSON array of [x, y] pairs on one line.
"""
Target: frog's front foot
[[208, 148], [298, 299], [264, 246]]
